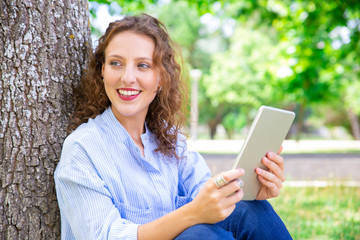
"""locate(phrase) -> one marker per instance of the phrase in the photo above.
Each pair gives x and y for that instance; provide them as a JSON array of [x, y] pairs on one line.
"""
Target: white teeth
[[128, 93]]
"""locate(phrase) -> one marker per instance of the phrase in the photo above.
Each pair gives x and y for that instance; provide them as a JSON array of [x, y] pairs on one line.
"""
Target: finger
[[270, 177], [271, 186], [274, 168], [276, 158], [227, 211], [231, 175], [230, 188], [280, 150], [234, 198]]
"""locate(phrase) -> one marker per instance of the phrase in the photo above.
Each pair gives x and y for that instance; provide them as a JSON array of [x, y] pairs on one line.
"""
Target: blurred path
[[299, 165], [303, 167], [290, 146]]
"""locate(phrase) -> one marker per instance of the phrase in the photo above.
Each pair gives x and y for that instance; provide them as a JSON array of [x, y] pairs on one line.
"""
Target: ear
[[159, 82], [102, 70]]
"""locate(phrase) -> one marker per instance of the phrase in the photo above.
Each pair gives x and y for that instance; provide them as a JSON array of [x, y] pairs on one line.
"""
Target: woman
[[125, 172]]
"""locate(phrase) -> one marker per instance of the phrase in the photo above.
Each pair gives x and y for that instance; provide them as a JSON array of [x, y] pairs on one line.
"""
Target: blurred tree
[[240, 78], [129, 6], [323, 46], [232, 121], [307, 26], [183, 24], [197, 43], [323, 42]]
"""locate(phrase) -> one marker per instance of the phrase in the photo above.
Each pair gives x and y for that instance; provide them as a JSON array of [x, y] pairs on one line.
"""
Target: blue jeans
[[249, 220]]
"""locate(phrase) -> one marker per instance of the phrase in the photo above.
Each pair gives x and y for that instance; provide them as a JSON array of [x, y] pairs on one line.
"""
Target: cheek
[[150, 81], [107, 90], [108, 77], [109, 81], [109, 85]]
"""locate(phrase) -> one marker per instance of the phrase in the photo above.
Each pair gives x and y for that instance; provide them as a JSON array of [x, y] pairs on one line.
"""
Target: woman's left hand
[[273, 178]]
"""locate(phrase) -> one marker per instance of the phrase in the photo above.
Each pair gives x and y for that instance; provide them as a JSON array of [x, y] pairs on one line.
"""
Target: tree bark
[[44, 46]]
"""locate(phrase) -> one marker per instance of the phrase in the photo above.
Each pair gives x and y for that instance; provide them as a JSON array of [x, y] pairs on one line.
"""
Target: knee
[[203, 231], [260, 219], [255, 206], [256, 212], [192, 232]]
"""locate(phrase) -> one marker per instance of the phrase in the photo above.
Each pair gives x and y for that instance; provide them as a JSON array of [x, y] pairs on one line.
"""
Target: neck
[[135, 126]]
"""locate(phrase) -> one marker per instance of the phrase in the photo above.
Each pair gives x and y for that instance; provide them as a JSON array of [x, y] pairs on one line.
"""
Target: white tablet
[[266, 134]]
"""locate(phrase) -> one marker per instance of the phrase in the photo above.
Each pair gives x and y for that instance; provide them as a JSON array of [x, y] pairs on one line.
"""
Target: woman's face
[[130, 77]]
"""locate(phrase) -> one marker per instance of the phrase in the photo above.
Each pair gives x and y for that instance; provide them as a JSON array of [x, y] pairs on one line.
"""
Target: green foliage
[[129, 6], [241, 77], [234, 120], [306, 26], [183, 24]]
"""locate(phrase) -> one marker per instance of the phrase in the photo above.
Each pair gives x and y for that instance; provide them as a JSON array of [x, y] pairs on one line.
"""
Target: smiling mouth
[[128, 93]]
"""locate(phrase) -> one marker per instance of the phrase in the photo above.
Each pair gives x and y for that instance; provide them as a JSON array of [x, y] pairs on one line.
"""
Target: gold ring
[[220, 181]]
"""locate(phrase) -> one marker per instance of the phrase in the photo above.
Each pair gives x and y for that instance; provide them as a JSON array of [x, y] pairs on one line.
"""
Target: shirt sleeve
[[193, 174], [85, 201]]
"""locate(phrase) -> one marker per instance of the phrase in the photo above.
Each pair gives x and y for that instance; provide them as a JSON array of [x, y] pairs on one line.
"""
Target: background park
[[303, 56]]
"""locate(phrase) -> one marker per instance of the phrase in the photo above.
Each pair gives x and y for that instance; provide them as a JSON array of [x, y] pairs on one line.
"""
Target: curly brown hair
[[166, 114]]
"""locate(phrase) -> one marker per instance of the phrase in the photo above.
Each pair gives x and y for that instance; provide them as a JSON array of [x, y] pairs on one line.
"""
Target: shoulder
[[92, 131], [187, 155], [181, 145], [84, 139], [85, 134]]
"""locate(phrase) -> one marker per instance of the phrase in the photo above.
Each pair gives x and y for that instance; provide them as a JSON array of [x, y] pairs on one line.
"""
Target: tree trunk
[[43, 50], [213, 123], [212, 126], [355, 126], [300, 121]]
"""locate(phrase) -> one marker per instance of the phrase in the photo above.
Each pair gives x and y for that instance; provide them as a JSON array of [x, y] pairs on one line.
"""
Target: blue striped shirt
[[106, 188]]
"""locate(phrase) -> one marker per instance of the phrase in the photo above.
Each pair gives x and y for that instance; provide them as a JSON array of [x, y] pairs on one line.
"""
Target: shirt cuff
[[121, 230]]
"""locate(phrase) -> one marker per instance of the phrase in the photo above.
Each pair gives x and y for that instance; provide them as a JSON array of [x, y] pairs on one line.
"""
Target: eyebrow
[[139, 58]]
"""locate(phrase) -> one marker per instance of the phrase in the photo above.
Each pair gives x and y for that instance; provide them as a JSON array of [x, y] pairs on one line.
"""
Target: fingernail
[[271, 155], [242, 170]]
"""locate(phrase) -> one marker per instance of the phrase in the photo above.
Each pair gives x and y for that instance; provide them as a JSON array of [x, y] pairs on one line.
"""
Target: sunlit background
[[300, 55]]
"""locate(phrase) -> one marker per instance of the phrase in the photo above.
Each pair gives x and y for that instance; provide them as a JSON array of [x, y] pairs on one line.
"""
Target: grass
[[320, 213]]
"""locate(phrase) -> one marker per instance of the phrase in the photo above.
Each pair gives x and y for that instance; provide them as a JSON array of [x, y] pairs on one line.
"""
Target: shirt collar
[[118, 129], [114, 125]]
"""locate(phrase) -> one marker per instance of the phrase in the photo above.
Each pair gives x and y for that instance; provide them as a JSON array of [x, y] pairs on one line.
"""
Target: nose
[[129, 75]]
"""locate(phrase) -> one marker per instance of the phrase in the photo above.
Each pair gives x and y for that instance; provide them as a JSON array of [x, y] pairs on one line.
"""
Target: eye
[[144, 65], [115, 63]]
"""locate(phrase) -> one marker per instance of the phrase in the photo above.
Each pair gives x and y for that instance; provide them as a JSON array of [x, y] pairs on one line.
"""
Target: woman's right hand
[[213, 204]]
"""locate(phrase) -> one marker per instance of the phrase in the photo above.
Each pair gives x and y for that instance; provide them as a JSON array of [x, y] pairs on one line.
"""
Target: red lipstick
[[128, 94]]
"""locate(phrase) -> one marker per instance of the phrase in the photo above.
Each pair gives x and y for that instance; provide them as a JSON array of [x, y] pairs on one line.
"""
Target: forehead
[[130, 44]]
